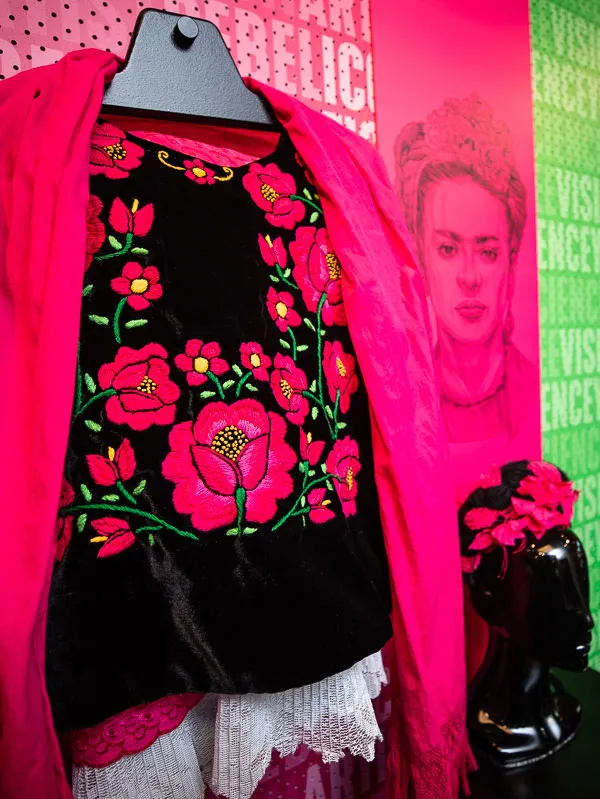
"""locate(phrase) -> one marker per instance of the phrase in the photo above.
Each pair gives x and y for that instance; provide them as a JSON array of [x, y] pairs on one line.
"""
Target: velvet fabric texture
[[46, 121], [200, 314]]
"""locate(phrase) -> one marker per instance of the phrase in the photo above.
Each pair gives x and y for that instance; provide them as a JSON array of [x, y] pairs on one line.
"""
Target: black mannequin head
[[535, 589]]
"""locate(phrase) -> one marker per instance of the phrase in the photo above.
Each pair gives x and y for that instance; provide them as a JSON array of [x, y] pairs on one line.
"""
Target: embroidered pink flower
[[136, 221], [112, 154], [143, 394], [288, 383], [64, 524], [344, 465], [319, 512], [274, 192], [233, 460], [340, 373], [114, 534], [120, 465], [253, 358], [272, 251], [199, 360], [317, 271], [139, 284], [310, 450], [95, 231], [280, 306], [196, 170]]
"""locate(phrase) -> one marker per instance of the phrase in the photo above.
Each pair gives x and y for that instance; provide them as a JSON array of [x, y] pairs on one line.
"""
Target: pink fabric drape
[[46, 117]]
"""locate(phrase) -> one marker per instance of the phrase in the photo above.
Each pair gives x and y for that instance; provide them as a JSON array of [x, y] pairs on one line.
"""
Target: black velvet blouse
[[218, 527]]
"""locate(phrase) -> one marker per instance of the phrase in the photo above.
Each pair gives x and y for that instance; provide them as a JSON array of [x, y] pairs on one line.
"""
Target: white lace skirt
[[227, 742]]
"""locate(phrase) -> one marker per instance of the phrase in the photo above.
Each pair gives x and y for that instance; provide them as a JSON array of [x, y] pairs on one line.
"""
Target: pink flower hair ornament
[[512, 506]]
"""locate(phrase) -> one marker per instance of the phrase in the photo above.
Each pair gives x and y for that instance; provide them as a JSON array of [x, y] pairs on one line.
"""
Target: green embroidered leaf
[[324, 468], [232, 531], [207, 394], [81, 520], [304, 520], [310, 325], [311, 473], [89, 382], [322, 332], [151, 540], [87, 494], [328, 411], [111, 498], [228, 383], [237, 370], [250, 387], [139, 251], [342, 425], [307, 194], [87, 290], [136, 323], [303, 501], [315, 412], [285, 344], [98, 320], [329, 485], [274, 278], [139, 488], [93, 425], [313, 386], [114, 243], [287, 272], [302, 347], [302, 466], [250, 530], [313, 217]]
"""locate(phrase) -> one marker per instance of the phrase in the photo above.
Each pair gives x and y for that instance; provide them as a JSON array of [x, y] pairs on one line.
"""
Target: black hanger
[[180, 68]]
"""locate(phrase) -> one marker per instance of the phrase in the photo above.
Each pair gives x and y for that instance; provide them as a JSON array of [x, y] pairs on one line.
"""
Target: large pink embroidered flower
[[112, 154], [64, 524], [317, 272], [272, 251], [253, 358], [280, 307], [136, 221], [344, 465], [319, 512], [274, 192], [120, 465], [233, 460], [95, 231], [196, 170], [143, 394], [310, 450], [288, 383], [114, 534], [199, 360], [340, 372], [139, 284]]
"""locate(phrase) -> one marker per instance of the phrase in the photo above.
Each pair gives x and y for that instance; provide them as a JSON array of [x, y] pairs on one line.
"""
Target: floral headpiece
[[543, 499]]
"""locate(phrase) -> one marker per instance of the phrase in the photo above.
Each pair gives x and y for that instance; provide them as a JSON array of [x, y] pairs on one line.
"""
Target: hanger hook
[[185, 31]]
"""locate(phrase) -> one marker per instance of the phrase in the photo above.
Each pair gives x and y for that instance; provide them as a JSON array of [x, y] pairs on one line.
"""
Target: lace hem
[[227, 741]]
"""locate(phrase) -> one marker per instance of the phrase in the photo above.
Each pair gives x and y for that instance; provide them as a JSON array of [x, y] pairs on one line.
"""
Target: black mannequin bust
[[534, 593]]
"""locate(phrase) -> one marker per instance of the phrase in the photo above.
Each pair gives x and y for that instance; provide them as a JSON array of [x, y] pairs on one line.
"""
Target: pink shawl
[[46, 118]]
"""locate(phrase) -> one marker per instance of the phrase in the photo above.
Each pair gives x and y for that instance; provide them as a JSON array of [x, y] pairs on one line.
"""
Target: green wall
[[566, 95]]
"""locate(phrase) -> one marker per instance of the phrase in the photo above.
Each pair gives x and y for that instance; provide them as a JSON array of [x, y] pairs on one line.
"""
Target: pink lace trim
[[129, 732]]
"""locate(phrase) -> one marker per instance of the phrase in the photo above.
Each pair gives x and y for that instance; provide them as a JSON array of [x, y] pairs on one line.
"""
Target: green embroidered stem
[[306, 202], [294, 343], [240, 503], [148, 528], [129, 497], [117, 253], [116, 330], [304, 491], [309, 395], [335, 412], [283, 278], [241, 383], [215, 380], [78, 382], [108, 393], [320, 346], [126, 509]]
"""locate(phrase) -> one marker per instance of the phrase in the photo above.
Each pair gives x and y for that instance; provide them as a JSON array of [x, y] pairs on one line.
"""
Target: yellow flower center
[[198, 173], [340, 367], [349, 479], [230, 442], [282, 309], [286, 389], [333, 265], [139, 285], [111, 453], [147, 386], [269, 193], [201, 365], [115, 151], [255, 360], [309, 438]]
